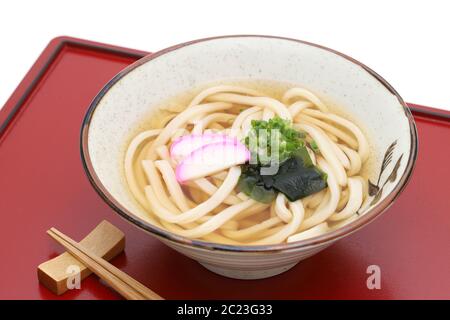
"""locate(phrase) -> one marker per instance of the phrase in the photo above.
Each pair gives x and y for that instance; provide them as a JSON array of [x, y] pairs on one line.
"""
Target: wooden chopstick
[[117, 279]]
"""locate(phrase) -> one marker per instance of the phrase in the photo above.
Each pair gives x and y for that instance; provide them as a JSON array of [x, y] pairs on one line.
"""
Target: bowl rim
[[334, 235]]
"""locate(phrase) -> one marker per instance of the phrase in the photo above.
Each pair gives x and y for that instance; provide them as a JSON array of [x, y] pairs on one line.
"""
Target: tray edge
[[45, 60]]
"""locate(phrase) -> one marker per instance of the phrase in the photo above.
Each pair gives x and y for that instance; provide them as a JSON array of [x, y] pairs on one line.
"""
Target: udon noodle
[[211, 208]]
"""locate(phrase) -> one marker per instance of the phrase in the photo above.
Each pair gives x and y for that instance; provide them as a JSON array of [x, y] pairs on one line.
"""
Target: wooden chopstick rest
[[128, 287], [106, 241]]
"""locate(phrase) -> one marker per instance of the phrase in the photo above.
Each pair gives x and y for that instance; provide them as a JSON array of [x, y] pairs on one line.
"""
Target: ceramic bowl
[[136, 92]]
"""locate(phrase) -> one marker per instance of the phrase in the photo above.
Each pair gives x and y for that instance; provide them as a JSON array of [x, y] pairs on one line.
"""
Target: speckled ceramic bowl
[[338, 79]]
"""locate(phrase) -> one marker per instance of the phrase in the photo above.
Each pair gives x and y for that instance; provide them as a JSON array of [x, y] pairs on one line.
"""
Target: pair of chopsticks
[[125, 285]]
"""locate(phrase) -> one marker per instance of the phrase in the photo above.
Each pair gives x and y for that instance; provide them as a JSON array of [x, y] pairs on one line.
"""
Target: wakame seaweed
[[296, 177]]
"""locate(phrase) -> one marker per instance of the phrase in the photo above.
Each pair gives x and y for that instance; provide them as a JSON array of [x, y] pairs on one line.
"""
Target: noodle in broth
[[211, 208]]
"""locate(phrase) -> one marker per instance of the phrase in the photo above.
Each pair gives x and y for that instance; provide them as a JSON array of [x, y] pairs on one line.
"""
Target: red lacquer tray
[[42, 184]]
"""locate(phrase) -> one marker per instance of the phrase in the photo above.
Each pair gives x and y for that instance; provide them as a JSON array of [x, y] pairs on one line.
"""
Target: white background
[[407, 42]]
